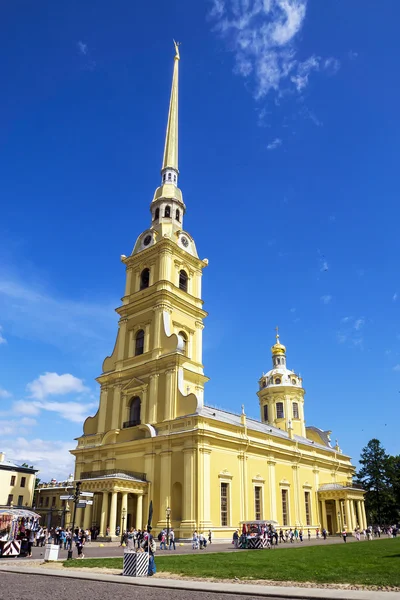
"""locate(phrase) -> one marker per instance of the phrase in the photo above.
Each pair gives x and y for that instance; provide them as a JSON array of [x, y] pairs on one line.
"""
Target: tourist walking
[[235, 539], [172, 539], [195, 544], [309, 535], [209, 536], [344, 535]]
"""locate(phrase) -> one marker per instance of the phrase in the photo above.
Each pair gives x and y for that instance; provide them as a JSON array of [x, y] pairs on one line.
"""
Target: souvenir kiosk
[[15, 525], [257, 535]]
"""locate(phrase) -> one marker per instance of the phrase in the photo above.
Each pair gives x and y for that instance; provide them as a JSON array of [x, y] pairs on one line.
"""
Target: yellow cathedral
[[154, 438]]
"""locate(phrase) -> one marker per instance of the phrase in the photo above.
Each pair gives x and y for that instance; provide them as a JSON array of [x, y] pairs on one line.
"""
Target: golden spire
[[278, 348], [170, 159]]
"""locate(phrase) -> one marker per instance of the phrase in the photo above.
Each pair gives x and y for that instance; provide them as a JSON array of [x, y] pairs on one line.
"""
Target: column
[[353, 513], [364, 516], [198, 354], [170, 394], [121, 338], [205, 491], [165, 484], [315, 516], [87, 517], [128, 285], [349, 516], [143, 406], [157, 326], [116, 406], [295, 469], [339, 516], [272, 489], [124, 505], [242, 492], [324, 520], [188, 521], [113, 514], [139, 511], [102, 409], [104, 515], [152, 399]]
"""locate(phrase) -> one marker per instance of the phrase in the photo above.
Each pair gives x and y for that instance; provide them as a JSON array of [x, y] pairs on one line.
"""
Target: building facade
[[154, 438], [54, 510], [17, 484]]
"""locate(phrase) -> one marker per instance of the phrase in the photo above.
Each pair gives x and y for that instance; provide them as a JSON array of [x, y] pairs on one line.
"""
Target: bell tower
[[281, 394], [155, 372]]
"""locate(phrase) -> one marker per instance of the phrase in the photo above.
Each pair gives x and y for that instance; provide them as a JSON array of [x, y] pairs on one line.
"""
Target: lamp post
[[168, 513], [123, 524]]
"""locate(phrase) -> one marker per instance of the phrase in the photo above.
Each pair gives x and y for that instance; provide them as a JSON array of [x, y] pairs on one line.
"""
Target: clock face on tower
[[147, 240], [185, 242]]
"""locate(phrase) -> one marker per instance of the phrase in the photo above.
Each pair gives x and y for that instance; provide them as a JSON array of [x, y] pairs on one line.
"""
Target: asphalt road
[[41, 587]]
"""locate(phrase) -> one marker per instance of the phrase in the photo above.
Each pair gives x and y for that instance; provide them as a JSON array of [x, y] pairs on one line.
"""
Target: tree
[[394, 478], [374, 476]]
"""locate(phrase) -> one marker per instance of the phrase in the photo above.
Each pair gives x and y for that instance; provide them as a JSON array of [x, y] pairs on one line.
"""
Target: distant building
[[17, 483], [54, 511]]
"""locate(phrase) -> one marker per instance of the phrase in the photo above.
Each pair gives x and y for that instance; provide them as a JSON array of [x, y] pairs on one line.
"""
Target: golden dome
[[278, 348]]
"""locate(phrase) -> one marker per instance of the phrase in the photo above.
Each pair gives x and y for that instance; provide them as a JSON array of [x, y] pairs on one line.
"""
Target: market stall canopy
[[19, 512]]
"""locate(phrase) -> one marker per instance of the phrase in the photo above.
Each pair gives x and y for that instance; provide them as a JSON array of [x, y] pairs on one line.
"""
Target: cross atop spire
[[170, 159]]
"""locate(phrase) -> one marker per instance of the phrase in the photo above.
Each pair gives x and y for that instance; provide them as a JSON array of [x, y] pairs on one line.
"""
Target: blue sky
[[289, 136]]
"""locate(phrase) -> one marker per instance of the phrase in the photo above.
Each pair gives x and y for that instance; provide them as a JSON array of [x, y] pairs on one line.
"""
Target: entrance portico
[[117, 501], [342, 507]]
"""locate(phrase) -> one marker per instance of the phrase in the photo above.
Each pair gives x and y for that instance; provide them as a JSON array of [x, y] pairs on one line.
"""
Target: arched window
[[295, 410], [157, 214], [175, 178], [144, 279], [139, 342], [279, 410], [265, 413], [184, 338], [167, 211], [183, 280], [169, 176], [177, 215], [134, 411], [163, 177], [277, 381]]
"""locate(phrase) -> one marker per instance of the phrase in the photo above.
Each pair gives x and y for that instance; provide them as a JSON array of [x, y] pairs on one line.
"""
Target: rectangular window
[[279, 410], [284, 507], [47, 501], [295, 410], [224, 504], [23, 480], [20, 500], [10, 499], [257, 503], [41, 501], [308, 507], [63, 503], [12, 482], [266, 413], [53, 501]]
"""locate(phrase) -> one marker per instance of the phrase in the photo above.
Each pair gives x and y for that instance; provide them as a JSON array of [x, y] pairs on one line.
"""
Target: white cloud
[[70, 411], [52, 458], [274, 144], [4, 393], [332, 65], [34, 314], [52, 384], [395, 296], [82, 47], [396, 368], [324, 266], [359, 323], [24, 407], [2, 338], [262, 36], [326, 299]]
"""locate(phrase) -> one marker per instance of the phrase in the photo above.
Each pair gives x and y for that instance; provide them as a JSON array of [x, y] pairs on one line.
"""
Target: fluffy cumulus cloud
[[262, 35], [57, 385], [274, 144], [4, 393], [52, 458]]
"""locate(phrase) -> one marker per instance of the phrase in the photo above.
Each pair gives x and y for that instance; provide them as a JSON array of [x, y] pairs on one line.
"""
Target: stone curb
[[222, 588]]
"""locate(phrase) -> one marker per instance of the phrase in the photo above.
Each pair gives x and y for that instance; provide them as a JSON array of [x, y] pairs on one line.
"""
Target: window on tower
[[157, 214], [134, 412], [266, 413], [295, 410], [169, 176], [277, 381], [167, 211], [184, 338], [183, 280], [279, 410], [178, 215], [139, 342], [144, 279]]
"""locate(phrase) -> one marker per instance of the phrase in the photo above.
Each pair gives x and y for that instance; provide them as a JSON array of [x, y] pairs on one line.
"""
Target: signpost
[[79, 500]]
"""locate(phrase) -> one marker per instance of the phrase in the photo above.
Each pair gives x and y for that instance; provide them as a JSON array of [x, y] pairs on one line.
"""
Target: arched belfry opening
[[134, 411]]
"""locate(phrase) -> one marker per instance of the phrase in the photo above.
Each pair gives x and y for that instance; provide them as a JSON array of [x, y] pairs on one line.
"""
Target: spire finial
[[170, 159], [177, 55], [277, 334]]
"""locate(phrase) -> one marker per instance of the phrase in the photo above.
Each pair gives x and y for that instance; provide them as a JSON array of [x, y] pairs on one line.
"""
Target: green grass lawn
[[364, 563]]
